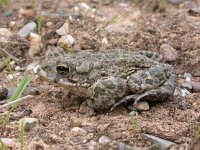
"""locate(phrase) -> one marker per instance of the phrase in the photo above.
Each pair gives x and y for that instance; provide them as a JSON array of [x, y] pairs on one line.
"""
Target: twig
[[17, 100], [11, 56]]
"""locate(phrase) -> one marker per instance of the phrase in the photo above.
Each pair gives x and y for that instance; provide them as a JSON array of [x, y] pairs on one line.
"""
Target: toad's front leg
[[106, 91]]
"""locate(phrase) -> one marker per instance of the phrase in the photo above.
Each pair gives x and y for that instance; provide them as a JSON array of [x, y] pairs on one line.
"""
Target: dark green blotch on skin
[[148, 54], [149, 81], [98, 91], [161, 77], [144, 75], [108, 84], [169, 87]]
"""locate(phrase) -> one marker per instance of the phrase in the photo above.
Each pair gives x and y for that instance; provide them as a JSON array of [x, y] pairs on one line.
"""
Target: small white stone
[[12, 24], [29, 123], [49, 24], [17, 68], [34, 38], [10, 76], [35, 69], [84, 6], [5, 34], [70, 18], [76, 9], [70, 39], [77, 129], [66, 41], [184, 92], [64, 30], [35, 45], [188, 79], [104, 41], [104, 140], [94, 10]]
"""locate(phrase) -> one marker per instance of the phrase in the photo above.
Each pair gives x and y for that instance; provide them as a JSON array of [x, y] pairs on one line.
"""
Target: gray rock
[[27, 29], [195, 86], [175, 2], [187, 75], [104, 140], [169, 53], [3, 93], [7, 13], [123, 146], [142, 106], [161, 143], [29, 123], [184, 92], [64, 30], [183, 105]]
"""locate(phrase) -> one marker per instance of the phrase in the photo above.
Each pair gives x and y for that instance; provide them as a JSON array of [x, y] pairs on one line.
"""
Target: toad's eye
[[62, 69]]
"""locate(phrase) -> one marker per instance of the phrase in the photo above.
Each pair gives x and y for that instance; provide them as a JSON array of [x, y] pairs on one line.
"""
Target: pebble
[[104, 140], [64, 30], [133, 113], [35, 45], [7, 13], [29, 123], [183, 105], [168, 52], [5, 34], [161, 143], [10, 77], [142, 106], [26, 12], [187, 75], [104, 42], [195, 86], [66, 41], [85, 7], [184, 92], [12, 24], [27, 29], [78, 130], [175, 2], [49, 24], [10, 143], [3, 93]]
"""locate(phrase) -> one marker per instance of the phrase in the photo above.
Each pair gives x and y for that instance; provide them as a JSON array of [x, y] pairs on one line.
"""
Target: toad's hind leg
[[165, 90]]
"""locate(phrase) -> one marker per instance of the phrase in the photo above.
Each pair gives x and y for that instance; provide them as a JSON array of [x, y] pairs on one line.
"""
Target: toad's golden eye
[[62, 69]]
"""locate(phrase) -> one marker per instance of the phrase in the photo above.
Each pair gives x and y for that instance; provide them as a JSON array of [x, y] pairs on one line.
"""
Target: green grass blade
[[21, 134], [5, 2], [18, 92]]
